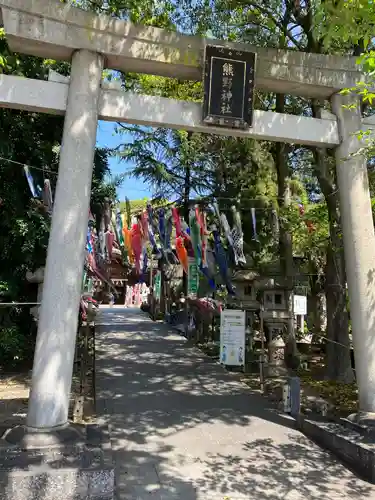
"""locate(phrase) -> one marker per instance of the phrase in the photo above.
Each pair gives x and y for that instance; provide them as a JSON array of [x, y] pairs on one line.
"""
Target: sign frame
[[231, 57], [300, 305], [233, 337]]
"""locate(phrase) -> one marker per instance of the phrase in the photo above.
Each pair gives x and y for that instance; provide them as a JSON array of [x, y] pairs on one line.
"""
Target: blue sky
[[132, 188]]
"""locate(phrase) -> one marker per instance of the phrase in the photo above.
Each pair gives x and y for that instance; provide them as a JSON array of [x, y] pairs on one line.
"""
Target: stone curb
[[356, 449]]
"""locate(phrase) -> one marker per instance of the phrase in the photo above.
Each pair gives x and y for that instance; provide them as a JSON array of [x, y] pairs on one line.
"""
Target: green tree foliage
[[25, 138], [280, 24], [145, 12], [181, 164], [345, 22], [243, 175], [29, 139], [169, 161], [104, 186], [351, 24], [136, 206], [292, 25]]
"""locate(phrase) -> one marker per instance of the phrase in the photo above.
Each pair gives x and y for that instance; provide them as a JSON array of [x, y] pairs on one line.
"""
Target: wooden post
[[84, 355], [262, 356]]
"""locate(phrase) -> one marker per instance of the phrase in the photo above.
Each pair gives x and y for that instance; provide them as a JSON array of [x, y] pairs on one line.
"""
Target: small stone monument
[[276, 346], [275, 318]]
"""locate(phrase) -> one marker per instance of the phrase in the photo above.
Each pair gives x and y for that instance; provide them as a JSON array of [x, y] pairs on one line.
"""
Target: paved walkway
[[184, 429]]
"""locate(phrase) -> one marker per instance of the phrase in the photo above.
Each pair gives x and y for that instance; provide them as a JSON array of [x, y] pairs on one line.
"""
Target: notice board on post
[[228, 84], [232, 337], [300, 305]]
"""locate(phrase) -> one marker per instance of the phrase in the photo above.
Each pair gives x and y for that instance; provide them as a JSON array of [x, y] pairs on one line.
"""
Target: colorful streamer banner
[[47, 197], [30, 181], [237, 238], [254, 220]]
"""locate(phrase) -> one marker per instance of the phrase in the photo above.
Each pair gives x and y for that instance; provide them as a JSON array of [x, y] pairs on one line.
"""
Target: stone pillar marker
[[359, 246], [55, 345]]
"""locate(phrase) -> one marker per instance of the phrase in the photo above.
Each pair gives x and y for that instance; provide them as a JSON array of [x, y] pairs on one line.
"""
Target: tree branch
[[278, 23]]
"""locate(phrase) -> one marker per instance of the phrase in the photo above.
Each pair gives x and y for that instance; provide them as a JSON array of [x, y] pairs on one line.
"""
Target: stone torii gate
[[48, 29]]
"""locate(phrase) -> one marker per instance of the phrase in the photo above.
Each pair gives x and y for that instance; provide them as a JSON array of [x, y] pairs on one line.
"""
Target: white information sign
[[232, 337], [300, 305]]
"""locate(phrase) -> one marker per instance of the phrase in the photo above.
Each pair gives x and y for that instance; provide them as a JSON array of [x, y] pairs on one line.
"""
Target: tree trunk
[[316, 323], [285, 242], [186, 207], [337, 357], [315, 308], [162, 290], [338, 363]]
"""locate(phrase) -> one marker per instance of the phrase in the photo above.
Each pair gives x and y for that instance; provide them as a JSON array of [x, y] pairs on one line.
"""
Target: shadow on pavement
[[184, 428]]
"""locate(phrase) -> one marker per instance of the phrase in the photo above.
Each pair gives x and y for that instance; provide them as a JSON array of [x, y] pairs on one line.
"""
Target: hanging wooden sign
[[228, 87], [157, 285], [193, 279]]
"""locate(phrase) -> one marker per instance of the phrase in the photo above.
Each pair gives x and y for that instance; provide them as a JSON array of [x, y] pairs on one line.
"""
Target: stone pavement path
[[184, 429]]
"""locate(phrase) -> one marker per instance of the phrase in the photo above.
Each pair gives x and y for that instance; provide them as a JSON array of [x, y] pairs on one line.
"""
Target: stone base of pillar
[[27, 438], [71, 463], [275, 369], [364, 419]]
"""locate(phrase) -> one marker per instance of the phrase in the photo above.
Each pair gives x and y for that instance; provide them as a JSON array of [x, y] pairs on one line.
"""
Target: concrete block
[[67, 472]]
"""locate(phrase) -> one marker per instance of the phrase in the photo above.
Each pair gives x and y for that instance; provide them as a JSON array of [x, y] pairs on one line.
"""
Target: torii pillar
[[58, 322], [359, 246]]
